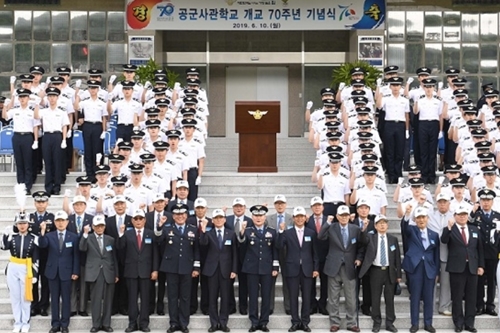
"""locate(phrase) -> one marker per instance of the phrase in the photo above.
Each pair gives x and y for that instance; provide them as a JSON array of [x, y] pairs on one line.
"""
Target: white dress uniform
[[180, 161], [140, 195], [118, 91], [135, 156], [454, 204], [347, 92], [155, 183], [126, 110], [376, 197], [360, 181], [98, 191], [102, 94], [108, 208], [167, 171]]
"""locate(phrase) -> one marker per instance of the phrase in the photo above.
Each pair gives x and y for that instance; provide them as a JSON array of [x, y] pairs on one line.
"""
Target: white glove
[[341, 85], [148, 85], [136, 128], [78, 83], [497, 225], [34, 280], [47, 82], [400, 180], [112, 79], [379, 82], [67, 192], [42, 86], [34, 146], [119, 140], [198, 180], [177, 86], [440, 136], [12, 79], [309, 105], [103, 135], [440, 180], [68, 134], [440, 85], [63, 144], [409, 81], [407, 134], [8, 230], [75, 126]]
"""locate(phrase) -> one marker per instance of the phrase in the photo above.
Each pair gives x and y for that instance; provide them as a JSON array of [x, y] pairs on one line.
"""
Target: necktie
[[99, 241], [299, 234], [487, 216], [237, 225], [40, 217], [120, 222], [280, 219], [344, 237], [464, 237], [199, 225], [383, 254], [425, 241], [139, 239], [78, 223], [443, 220], [318, 224], [219, 238], [261, 231], [158, 217], [181, 230], [61, 241]]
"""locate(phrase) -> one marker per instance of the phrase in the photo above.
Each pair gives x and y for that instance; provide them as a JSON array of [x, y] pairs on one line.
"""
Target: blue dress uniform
[[21, 271], [54, 122], [179, 259], [261, 259], [24, 122]]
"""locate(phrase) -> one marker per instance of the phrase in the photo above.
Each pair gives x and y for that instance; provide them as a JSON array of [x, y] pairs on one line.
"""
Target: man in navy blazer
[[301, 266], [421, 263], [221, 265], [63, 266]]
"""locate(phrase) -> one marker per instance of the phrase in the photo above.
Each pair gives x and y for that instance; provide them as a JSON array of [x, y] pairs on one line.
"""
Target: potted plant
[[343, 73], [145, 73]]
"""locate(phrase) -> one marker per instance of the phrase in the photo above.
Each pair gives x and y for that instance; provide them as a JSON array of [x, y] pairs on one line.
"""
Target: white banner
[[140, 49], [255, 15]]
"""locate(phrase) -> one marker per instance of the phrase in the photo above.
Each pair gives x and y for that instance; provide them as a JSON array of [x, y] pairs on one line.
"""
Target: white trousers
[[16, 277]]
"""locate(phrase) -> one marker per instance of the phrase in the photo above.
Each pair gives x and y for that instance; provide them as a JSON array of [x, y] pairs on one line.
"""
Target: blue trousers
[[421, 287], [23, 154], [60, 290]]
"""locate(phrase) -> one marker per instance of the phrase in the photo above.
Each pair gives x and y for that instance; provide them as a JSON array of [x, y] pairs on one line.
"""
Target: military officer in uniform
[[259, 243], [335, 185], [128, 110]]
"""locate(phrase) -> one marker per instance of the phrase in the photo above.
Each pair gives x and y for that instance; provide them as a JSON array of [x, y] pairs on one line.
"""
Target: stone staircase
[[220, 185]]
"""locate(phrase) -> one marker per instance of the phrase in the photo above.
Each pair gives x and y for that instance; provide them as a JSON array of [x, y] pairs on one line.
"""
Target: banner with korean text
[[255, 15]]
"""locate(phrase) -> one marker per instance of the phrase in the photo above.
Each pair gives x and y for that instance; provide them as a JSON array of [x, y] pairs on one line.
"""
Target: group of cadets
[[136, 220]]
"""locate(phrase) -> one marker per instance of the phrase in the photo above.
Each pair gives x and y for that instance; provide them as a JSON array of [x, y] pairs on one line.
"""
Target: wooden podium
[[257, 124]]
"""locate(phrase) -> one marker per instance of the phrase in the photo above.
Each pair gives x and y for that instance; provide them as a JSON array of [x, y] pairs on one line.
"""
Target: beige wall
[[217, 98], [295, 108]]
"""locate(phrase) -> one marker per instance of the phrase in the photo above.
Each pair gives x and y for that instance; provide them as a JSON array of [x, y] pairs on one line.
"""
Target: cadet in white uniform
[[128, 109], [195, 157], [335, 186]]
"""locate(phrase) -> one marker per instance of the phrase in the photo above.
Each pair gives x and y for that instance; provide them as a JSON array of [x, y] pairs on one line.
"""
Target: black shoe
[[306, 328], [184, 330], [83, 313], [271, 312], [64, 330], [225, 328], [146, 329], [43, 313], [213, 329], [264, 328], [470, 329], [72, 314], [131, 329], [107, 329], [28, 192], [491, 312], [413, 328], [479, 312], [253, 329], [160, 313], [287, 312], [366, 312], [57, 192], [313, 310], [205, 312], [172, 329], [124, 312], [243, 311], [54, 329], [376, 329], [33, 313], [458, 329], [192, 312], [391, 328], [94, 330], [233, 311], [323, 311], [430, 329], [294, 328]]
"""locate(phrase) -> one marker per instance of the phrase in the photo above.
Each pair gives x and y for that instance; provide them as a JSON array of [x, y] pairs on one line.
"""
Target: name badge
[[474, 235], [307, 238], [371, 232], [147, 240], [353, 241], [393, 248], [129, 228], [432, 241], [228, 242], [208, 228], [69, 244], [191, 212], [109, 248]]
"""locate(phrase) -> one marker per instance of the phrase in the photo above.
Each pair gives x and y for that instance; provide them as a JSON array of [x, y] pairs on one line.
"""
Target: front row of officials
[[367, 247]]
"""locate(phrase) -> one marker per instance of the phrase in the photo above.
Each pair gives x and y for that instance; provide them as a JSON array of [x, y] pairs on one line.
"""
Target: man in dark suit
[[346, 252], [180, 261], [234, 222], [259, 244], [301, 266], [77, 221], [113, 224], [141, 266], [182, 191], [383, 262], [221, 265], [465, 263], [152, 220], [316, 220], [63, 266], [101, 272], [483, 217], [421, 263]]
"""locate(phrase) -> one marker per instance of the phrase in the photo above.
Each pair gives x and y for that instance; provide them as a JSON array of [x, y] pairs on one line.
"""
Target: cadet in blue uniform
[[180, 261], [21, 271], [259, 243]]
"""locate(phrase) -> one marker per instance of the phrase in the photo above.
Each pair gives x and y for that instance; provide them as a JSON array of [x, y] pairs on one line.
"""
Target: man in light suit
[[383, 261], [63, 267], [302, 265], [221, 265], [465, 263], [234, 222], [101, 272], [421, 264], [346, 252], [275, 221]]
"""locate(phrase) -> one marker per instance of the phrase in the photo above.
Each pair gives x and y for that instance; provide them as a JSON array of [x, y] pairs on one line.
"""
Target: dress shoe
[[205, 312], [323, 311], [244, 312], [271, 312], [213, 329], [313, 310], [73, 313], [294, 328], [470, 329], [429, 328], [160, 313], [94, 330], [43, 313], [184, 329], [413, 328], [334, 328], [33, 312], [124, 312], [491, 312], [264, 328], [391, 328], [57, 192], [146, 329], [64, 330], [306, 328], [192, 312], [445, 313], [287, 312], [253, 329], [366, 312], [106, 329], [28, 192], [354, 329], [83, 313], [172, 329], [54, 329], [458, 329], [233, 311], [131, 329], [479, 312], [224, 328], [376, 329]]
